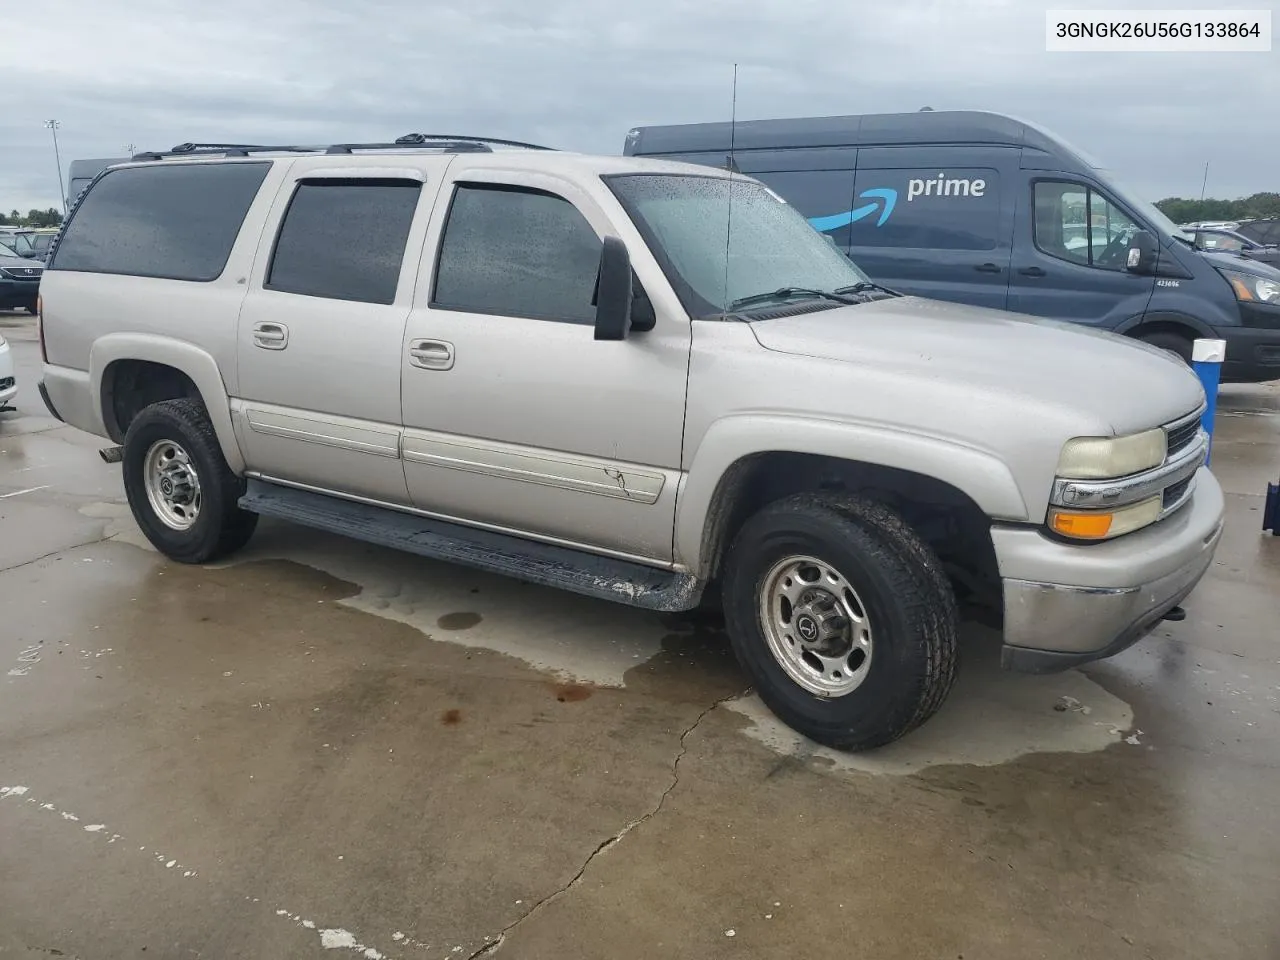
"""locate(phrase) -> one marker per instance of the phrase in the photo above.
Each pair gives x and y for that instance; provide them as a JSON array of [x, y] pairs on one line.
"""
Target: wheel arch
[[153, 368]]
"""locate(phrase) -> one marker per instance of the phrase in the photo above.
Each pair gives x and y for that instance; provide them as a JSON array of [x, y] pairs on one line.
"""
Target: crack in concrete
[[493, 946], [53, 553]]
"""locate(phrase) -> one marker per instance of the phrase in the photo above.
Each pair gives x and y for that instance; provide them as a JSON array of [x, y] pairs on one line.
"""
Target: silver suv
[[642, 381]]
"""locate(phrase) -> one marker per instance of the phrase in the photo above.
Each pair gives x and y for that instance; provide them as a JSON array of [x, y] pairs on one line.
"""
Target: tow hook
[[111, 454]]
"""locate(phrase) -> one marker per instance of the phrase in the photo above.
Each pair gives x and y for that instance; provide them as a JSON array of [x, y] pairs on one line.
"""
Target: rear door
[[320, 331], [1069, 263], [935, 221]]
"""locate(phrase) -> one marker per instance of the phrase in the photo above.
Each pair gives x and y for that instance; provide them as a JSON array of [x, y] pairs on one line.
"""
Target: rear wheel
[[843, 619], [1175, 343], [181, 491]]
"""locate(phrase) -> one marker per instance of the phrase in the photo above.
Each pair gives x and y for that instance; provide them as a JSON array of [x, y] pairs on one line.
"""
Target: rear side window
[[174, 221], [514, 252], [926, 209], [344, 239]]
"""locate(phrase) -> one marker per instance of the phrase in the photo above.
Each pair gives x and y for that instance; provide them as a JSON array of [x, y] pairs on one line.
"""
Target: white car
[[8, 383]]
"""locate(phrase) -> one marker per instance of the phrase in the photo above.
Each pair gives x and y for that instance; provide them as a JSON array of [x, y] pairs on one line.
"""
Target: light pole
[[53, 126], [129, 148]]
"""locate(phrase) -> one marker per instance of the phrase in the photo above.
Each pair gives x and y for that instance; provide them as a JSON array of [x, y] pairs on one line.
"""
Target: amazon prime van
[[985, 209]]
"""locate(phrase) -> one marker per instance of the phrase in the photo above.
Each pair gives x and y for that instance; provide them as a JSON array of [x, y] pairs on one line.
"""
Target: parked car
[[977, 207], [19, 282], [1232, 241], [565, 373], [8, 381], [1264, 231]]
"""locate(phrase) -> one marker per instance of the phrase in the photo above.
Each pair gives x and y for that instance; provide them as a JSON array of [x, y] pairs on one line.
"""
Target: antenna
[[732, 166]]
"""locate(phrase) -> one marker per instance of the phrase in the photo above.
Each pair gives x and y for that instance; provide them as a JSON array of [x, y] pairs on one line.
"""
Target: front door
[[321, 328], [515, 417], [1069, 261]]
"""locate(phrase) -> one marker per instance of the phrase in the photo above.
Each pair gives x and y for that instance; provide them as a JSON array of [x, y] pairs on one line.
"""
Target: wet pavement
[[324, 749]]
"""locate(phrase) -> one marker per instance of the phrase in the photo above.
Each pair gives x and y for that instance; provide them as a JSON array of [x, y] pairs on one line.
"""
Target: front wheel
[[180, 488], [1174, 343], [842, 617]]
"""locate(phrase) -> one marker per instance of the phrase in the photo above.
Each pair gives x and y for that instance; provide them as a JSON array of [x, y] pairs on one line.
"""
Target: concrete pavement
[[323, 749]]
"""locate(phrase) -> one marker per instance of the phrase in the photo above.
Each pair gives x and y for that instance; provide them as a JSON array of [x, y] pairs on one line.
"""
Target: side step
[[546, 564]]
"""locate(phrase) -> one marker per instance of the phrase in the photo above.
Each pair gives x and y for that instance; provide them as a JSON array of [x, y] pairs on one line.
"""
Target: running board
[[589, 574]]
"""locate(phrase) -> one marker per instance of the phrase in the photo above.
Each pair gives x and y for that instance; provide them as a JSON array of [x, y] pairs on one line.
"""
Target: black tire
[[1175, 343], [905, 594], [220, 527], [32, 309]]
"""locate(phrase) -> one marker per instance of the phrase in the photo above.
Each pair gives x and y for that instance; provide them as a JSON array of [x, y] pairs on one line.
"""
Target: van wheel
[[1175, 343], [843, 619], [182, 493], [32, 310]]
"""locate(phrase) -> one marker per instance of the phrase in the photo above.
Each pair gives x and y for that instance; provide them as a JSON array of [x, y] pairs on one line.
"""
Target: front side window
[[517, 252], [344, 239], [721, 240], [1078, 224], [171, 220]]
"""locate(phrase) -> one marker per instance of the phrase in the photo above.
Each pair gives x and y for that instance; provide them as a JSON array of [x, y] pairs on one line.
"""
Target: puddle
[[991, 717]]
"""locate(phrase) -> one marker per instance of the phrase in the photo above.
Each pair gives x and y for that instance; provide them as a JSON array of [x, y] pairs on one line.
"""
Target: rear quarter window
[[172, 221]]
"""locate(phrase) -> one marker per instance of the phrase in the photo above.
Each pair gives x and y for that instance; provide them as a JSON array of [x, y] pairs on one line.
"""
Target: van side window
[[344, 239], [1077, 224], [925, 209], [174, 221], [511, 251]]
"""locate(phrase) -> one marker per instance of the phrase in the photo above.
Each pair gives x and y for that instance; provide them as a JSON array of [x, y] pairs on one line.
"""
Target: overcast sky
[[578, 75]]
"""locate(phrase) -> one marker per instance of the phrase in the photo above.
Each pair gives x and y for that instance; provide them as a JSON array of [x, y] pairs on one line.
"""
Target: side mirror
[[613, 291], [1142, 253]]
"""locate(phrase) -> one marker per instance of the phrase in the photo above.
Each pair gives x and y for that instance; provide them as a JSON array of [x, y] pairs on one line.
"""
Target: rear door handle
[[1032, 272], [271, 336], [987, 268], [431, 354]]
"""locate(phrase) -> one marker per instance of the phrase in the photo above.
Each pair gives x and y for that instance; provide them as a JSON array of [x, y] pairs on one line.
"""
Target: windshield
[[686, 220], [1144, 208]]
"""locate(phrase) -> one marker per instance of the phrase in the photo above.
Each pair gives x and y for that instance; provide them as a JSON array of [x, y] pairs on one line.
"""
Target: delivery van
[[986, 209]]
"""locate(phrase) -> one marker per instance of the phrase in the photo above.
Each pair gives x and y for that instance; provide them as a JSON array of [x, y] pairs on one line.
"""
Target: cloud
[[579, 73]]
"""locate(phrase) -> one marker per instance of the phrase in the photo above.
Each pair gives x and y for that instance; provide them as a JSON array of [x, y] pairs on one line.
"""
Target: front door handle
[[271, 336], [987, 268], [431, 354], [1032, 272]]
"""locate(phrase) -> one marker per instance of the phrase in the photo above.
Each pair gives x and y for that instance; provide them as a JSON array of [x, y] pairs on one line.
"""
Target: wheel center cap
[[166, 486], [807, 627]]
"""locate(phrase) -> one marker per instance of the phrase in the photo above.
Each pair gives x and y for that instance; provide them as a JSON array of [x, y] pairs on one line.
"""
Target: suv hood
[[1109, 379]]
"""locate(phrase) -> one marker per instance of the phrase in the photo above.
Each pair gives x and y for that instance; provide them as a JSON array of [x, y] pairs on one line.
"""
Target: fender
[[196, 363], [1166, 316], [982, 477]]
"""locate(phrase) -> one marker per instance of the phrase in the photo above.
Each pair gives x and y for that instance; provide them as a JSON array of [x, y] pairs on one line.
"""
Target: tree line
[[1248, 208], [34, 218]]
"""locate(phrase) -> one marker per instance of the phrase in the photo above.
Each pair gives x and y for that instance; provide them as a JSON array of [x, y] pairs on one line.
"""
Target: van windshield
[[1144, 208], [686, 220]]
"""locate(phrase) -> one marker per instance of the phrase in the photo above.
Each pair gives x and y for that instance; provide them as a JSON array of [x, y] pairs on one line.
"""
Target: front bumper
[[1067, 604], [1253, 351], [18, 293]]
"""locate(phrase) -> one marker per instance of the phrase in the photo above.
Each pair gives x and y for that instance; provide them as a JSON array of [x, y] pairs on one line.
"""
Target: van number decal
[[1168, 283]]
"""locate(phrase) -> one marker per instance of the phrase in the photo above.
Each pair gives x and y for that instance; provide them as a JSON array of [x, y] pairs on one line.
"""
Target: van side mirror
[[613, 291], [1142, 253]]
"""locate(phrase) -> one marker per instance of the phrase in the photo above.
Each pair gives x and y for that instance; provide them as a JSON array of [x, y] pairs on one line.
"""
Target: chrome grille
[[1174, 494], [1182, 433]]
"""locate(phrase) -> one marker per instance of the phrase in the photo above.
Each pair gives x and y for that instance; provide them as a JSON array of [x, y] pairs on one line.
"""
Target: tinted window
[[515, 252], [823, 197], [1078, 224], [929, 209], [344, 239], [170, 220]]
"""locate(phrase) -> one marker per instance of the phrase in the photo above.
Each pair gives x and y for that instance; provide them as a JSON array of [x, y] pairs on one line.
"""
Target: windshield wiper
[[865, 286], [788, 293]]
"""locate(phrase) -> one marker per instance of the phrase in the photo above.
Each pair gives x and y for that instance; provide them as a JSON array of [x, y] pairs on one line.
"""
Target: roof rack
[[431, 141]]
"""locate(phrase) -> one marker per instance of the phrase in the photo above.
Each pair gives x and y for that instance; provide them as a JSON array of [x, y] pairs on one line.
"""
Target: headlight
[[1106, 458], [1105, 524], [1251, 288]]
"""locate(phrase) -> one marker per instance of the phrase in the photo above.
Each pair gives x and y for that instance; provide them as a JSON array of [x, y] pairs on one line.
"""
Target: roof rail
[[414, 139], [431, 141]]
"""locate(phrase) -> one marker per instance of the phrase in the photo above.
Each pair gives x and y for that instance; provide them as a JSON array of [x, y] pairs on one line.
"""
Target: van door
[[515, 416], [936, 221], [1069, 263], [320, 330]]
